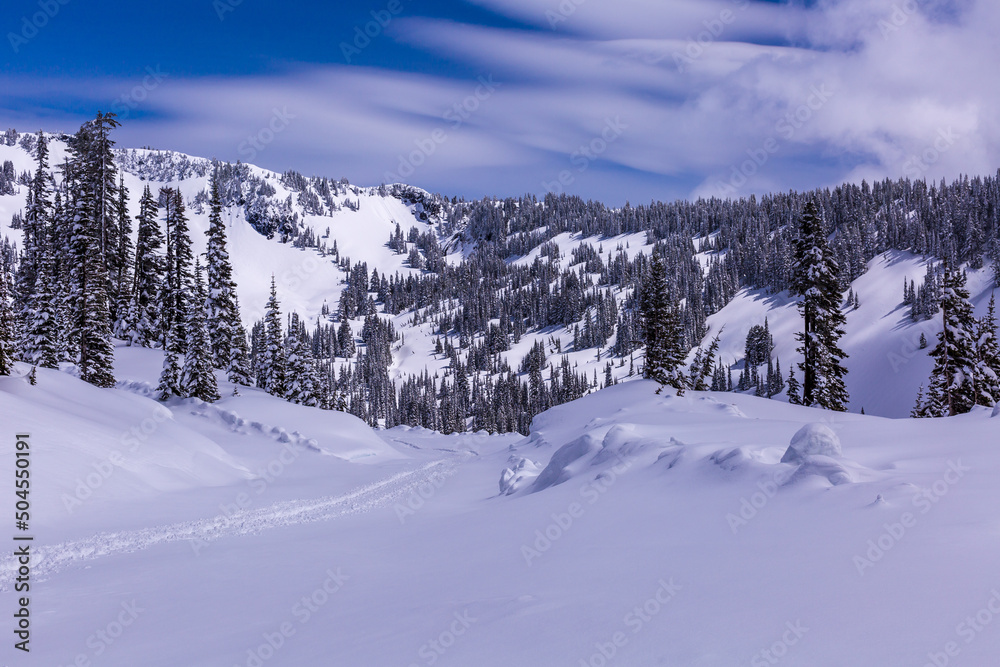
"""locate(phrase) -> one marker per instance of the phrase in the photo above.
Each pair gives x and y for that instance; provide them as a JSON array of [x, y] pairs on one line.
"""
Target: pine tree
[[170, 375], [41, 328], [988, 358], [793, 388], [663, 330], [815, 278], [142, 326], [198, 378], [121, 279], [180, 258], [345, 338], [7, 352], [952, 386], [300, 379], [220, 303], [91, 316], [272, 365], [36, 309], [36, 217], [238, 370]]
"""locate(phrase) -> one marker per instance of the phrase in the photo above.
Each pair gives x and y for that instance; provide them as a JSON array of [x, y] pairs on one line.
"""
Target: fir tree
[[91, 316], [7, 353], [793, 388], [142, 326], [300, 379], [121, 278], [197, 378], [220, 304], [238, 370], [815, 278], [170, 375], [272, 364], [662, 331], [988, 358], [180, 259], [952, 386]]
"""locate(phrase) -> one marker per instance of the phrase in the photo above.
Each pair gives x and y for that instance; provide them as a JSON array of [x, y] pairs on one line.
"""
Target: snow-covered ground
[[634, 529]]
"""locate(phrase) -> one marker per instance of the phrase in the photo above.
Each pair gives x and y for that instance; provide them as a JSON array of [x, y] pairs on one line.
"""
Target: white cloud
[[894, 82]]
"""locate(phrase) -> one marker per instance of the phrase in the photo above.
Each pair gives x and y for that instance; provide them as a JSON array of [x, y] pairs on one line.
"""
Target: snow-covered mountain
[[318, 226]]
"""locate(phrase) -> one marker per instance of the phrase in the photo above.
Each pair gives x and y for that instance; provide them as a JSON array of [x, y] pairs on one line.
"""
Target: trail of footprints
[[49, 559]]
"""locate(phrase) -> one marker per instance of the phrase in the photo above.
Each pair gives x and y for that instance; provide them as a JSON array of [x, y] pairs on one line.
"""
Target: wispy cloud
[[701, 86]]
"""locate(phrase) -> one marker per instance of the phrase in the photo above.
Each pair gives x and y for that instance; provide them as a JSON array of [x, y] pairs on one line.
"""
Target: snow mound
[[567, 461], [825, 466], [517, 475], [812, 439], [732, 459], [996, 411]]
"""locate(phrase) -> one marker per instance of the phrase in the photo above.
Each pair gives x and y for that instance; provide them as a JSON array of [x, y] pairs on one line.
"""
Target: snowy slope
[[672, 535], [885, 365], [885, 368]]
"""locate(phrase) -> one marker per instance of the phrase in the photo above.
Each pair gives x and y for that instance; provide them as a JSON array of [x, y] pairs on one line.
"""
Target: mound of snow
[[514, 477], [567, 461], [825, 466], [810, 440], [996, 411]]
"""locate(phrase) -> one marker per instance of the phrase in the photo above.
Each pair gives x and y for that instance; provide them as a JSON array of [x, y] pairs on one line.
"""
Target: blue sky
[[609, 99]]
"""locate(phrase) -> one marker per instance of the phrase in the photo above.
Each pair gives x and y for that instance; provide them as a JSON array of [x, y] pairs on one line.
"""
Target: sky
[[612, 100]]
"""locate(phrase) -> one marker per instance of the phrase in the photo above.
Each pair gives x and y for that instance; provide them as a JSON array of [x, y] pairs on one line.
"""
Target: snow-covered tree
[[6, 325], [197, 377], [815, 277], [220, 302], [988, 358], [91, 316], [272, 362], [952, 386], [300, 378], [238, 370], [177, 287], [141, 325], [664, 353]]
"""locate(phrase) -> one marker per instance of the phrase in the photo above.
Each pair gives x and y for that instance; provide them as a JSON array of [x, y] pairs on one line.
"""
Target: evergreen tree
[[180, 258], [952, 386], [345, 338], [988, 358], [7, 353], [142, 326], [35, 230], [815, 278], [121, 279], [170, 375], [91, 316], [272, 364], [662, 330], [793, 388], [220, 304], [238, 371], [300, 378], [41, 328], [198, 378]]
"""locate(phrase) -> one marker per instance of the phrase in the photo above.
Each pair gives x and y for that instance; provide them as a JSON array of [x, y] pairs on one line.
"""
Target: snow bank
[[812, 439]]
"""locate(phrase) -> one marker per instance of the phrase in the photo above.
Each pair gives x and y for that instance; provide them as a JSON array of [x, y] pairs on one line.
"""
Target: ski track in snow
[[50, 559]]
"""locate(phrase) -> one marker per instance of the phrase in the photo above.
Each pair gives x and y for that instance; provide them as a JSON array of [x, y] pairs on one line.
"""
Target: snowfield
[[634, 529]]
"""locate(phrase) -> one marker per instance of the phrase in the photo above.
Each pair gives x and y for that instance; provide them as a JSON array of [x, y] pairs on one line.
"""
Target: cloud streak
[[700, 86]]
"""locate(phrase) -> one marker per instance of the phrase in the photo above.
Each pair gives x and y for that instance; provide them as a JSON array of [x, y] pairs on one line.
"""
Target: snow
[[628, 527], [812, 439], [409, 555], [881, 341]]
